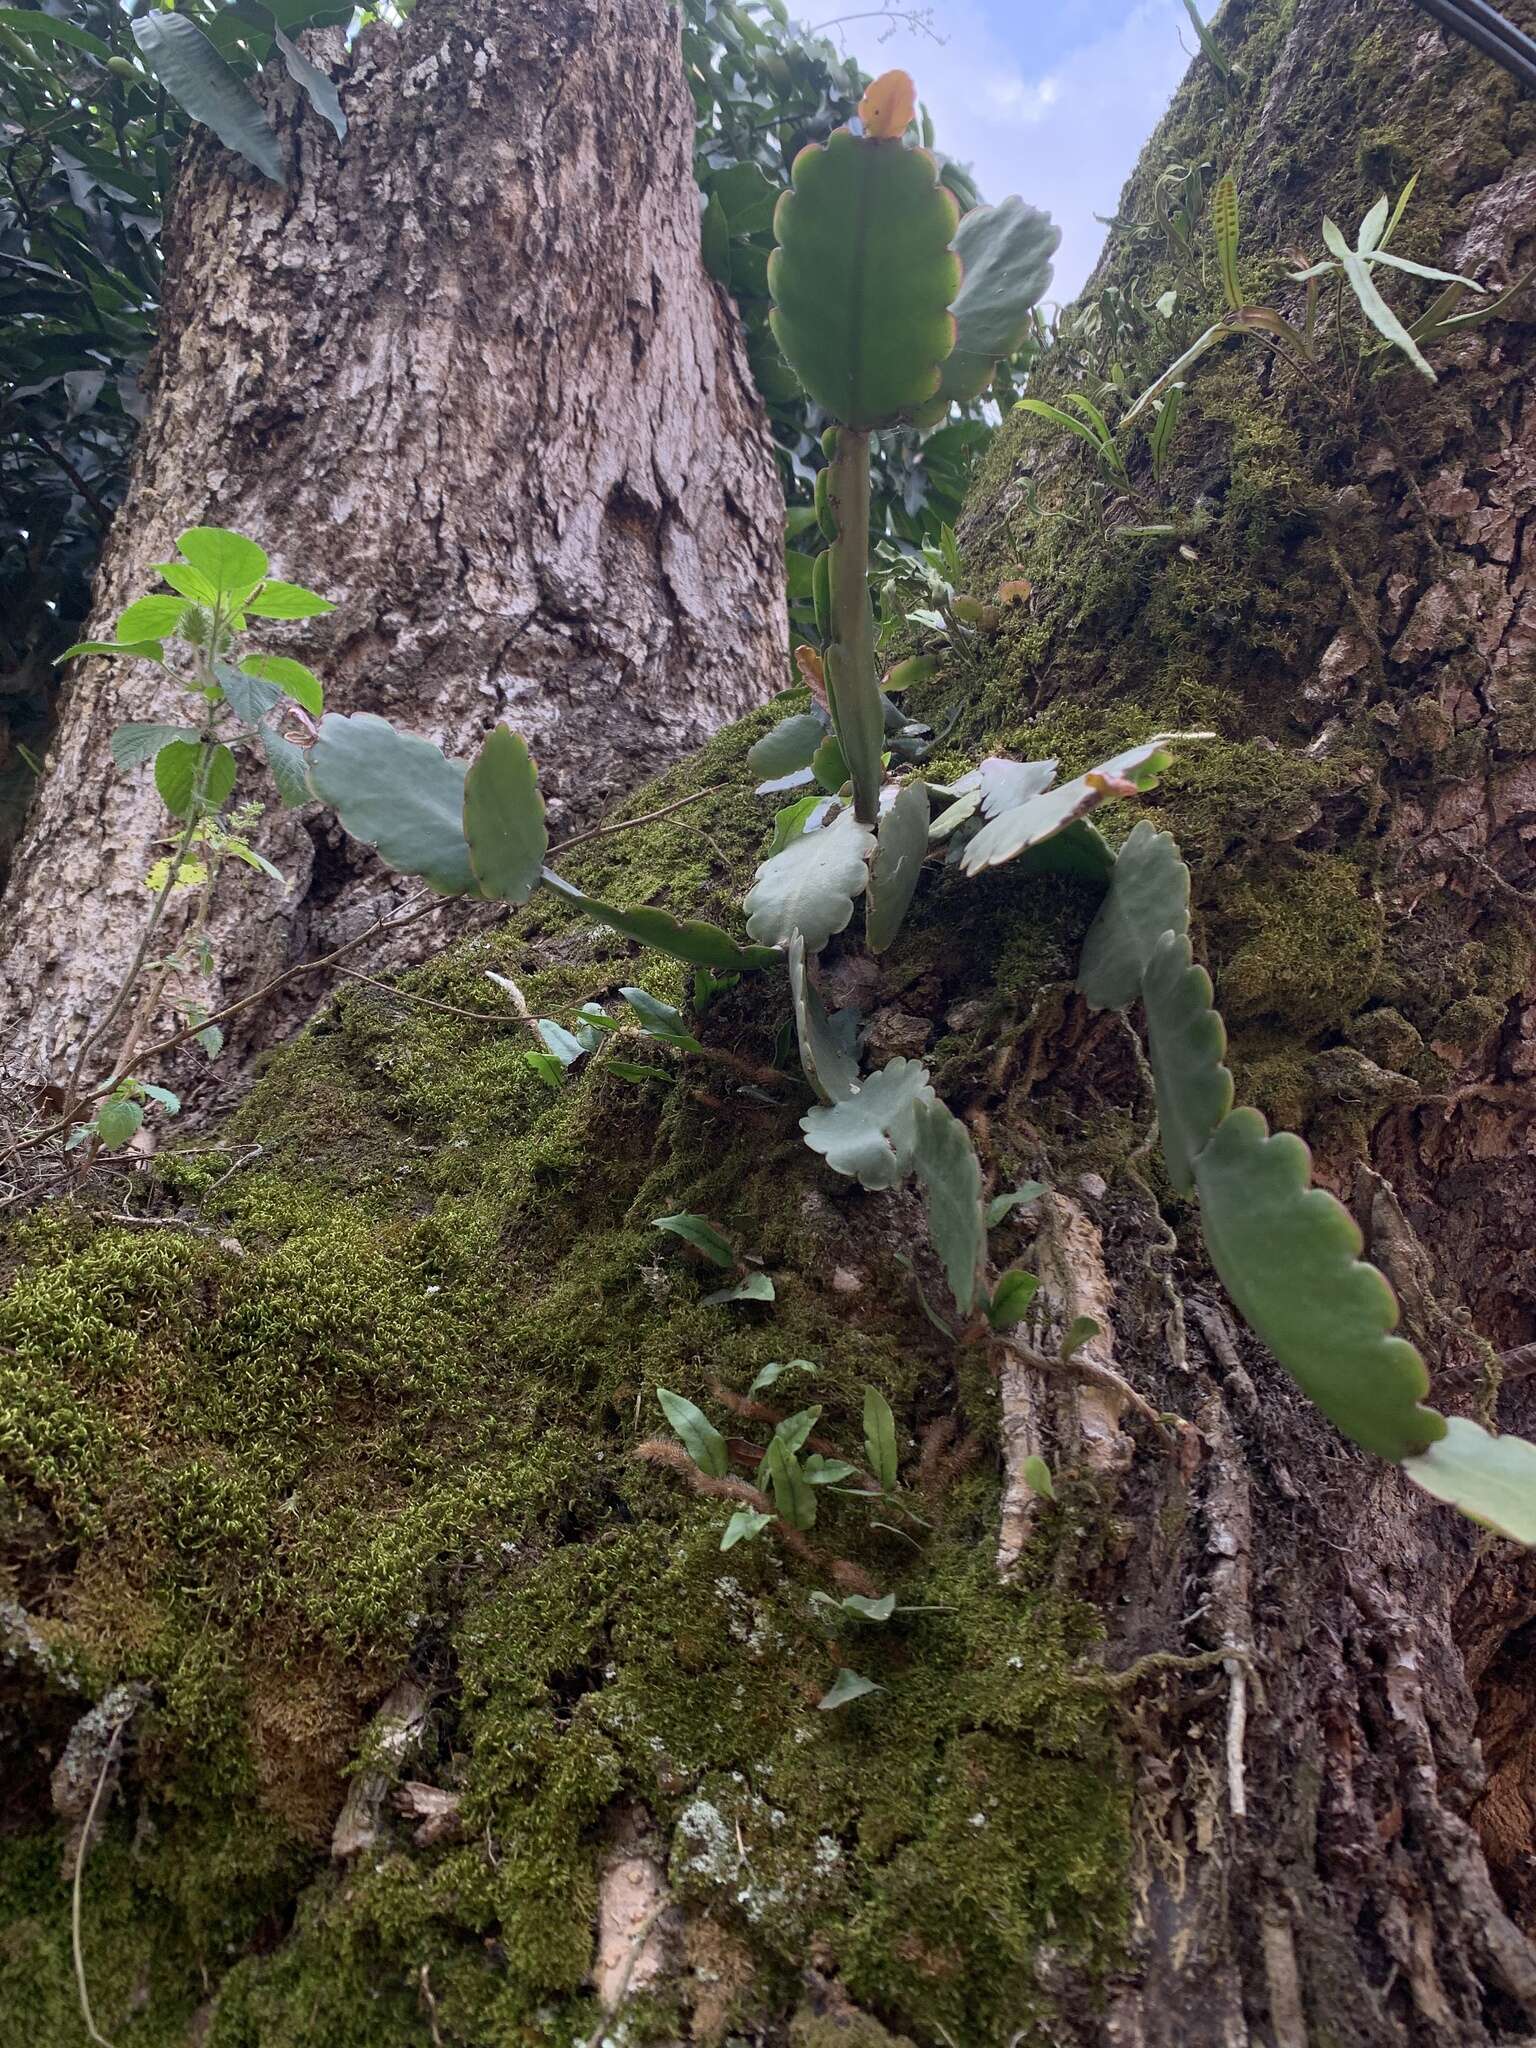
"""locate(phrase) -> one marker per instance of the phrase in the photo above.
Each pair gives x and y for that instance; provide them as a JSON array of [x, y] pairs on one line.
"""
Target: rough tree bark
[[1229, 1745], [466, 375]]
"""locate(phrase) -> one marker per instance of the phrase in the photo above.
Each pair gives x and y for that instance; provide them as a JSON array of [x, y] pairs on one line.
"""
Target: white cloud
[[1064, 132]]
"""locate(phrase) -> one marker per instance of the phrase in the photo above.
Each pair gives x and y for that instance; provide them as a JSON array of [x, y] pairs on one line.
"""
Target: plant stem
[[852, 687]]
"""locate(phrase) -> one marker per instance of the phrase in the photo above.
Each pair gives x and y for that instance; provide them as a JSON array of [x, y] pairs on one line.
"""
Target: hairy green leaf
[[1148, 895], [831, 1070], [397, 793], [290, 768], [947, 1166], [901, 849], [118, 1121], [810, 886], [135, 743], [291, 677], [150, 618], [195, 75], [229, 561], [1490, 1478], [1289, 1256], [870, 1136], [504, 819], [286, 601], [700, 1233], [699, 1436], [141, 650], [248, 696], [863, 276]]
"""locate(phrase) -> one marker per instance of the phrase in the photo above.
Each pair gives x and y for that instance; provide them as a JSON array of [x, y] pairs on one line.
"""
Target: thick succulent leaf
[[1005, 255], [193, 73], [1013, 831], [682, 938], [831, 1070], [504, 819], [791, 745], [1185, 1040], [948, 1168], [870, 1137], [863, 277], [810, 887], [898, 865], [1148, 895], [1078, 849], [1289, 1256], [1490, 1478], [397, 793], [1001, 784]]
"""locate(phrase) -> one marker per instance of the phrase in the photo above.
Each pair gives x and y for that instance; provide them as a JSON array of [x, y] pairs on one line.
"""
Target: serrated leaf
[[901, 849], [792, 1496], [176, 767], [756, 1287], [1011, 1298], [230, 562], [397, 793], [1026, 825], [870, 1136], [1490, 1478], [277, 600], [314, 83], [745, 1525], [681, 938], [169, 1102], [1289, 1256], [830, 1068], [848, 1685], [196, 76], [1148, 895], [135, 743], [1186, 1040], [697, 1434], [863, 276], [700, 1233], [1224, 223], [880, 1439], [1372, 304], [190, 582], [947, 1166], [117, 1122], [248, 696], [811, 885], [504, 819], [289, 676], [150, 618], [1016, 1198], [790, 745], [1005, 256], [290, 768], [141, 650]]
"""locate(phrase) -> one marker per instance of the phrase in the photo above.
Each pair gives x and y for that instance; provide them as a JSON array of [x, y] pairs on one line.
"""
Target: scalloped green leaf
[[901, 849], [811, 885], [1185, 1043], [397, 793], [790, 746], [1490, 1478], [1014, 831], [831, 1071], [193, 73], [504, 819], [1289, 1256], [950, 1172], [870, 1137], [1148, 895], [863, 276], [1005, 256], [682, 938]]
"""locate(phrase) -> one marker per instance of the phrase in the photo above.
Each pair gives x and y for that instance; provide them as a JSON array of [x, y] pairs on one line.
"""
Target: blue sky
[[1051, 99]]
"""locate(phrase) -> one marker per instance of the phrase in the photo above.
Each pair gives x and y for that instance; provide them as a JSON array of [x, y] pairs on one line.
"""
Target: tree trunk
[[466, 375], [1227, 1745]]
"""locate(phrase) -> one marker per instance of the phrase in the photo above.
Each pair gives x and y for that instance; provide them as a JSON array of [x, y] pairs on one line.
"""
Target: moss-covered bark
[[355, 1397]]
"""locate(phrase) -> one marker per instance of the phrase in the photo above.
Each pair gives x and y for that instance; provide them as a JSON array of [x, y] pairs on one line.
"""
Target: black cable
[[1487, 30]]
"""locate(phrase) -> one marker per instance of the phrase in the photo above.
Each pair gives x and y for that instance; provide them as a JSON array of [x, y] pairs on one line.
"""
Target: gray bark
[[465, 375]]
